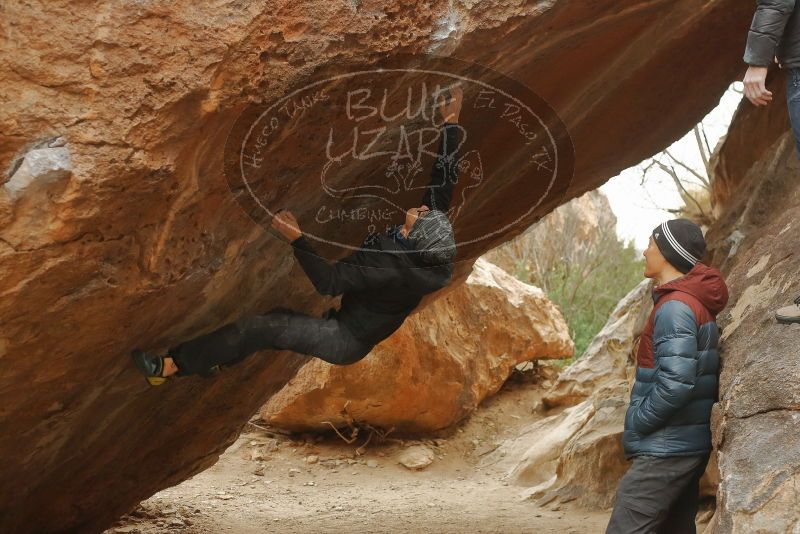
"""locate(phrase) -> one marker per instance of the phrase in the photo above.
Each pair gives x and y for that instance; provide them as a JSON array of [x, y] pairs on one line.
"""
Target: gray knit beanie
[[681, 242], [432, 235]]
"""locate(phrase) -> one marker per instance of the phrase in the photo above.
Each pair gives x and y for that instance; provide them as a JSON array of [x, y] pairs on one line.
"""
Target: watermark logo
[[352, 151]]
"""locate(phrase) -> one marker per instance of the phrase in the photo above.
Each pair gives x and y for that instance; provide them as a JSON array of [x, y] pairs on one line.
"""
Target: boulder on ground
[[592, 462], [437, 367], [531, 457]]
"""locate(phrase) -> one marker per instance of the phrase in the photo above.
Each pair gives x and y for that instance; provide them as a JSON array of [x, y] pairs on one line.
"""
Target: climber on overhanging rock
[[775, 34], [380, 284], [667, 429]]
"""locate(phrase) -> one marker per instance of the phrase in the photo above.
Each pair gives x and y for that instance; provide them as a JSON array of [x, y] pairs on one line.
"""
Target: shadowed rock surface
[[128, 234], [756, 424]]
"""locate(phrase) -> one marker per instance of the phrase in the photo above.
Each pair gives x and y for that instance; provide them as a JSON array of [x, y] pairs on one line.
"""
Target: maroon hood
[[702, 282]]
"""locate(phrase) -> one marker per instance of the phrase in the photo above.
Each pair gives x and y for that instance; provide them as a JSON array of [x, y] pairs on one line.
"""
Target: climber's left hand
[[286, 223]]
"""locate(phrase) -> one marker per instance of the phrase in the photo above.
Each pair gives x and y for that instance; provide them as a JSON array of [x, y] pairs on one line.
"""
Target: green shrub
[[587, 291]]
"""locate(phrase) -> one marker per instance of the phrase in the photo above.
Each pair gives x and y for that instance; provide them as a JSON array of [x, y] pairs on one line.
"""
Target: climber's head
[[432, 235], [413, 214], [676, 245]]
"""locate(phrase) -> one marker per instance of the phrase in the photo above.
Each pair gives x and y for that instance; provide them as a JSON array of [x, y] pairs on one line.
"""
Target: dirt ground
[[269, 482]]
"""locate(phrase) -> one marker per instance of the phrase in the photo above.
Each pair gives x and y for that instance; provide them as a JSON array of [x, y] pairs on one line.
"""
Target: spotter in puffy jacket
[[668, 423]]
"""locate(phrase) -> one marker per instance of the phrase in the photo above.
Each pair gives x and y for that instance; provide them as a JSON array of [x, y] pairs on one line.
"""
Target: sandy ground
[[268, 482]]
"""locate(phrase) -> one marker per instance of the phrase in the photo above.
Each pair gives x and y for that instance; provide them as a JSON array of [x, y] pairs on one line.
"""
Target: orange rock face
[[436, 369], [118, 228]]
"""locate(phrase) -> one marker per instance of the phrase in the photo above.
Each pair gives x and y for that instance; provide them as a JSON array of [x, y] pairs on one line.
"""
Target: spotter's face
[[654, 261]]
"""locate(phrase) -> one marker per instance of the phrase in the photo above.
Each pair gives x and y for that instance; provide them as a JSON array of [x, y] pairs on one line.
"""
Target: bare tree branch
[[709, 150], [703, 148], [699, 176], [674, 175]]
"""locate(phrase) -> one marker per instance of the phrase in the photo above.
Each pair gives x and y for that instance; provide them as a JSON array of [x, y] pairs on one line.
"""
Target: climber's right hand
[[755, 88], [286, 224]]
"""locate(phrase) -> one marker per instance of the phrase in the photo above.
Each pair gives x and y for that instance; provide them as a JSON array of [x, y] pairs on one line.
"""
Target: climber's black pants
[[325, 338]]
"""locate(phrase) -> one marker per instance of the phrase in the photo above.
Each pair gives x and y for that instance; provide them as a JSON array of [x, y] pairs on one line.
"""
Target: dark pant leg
[[324, 338], [793, 103], [648, 491], [444, 175], [683, 514], [201, 354]]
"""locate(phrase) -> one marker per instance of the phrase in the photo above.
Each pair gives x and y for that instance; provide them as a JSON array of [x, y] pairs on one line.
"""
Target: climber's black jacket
[[380, 284], [775, 31], [383, 281]]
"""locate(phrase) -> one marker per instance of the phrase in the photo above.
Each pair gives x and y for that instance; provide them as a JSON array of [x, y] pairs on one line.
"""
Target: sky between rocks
[[641, 207]]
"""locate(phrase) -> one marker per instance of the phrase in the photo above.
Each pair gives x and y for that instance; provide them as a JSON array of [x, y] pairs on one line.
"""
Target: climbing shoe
[[789, 314], [150, 366]]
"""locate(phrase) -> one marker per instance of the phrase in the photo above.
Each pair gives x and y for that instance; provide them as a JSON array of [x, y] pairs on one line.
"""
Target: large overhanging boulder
[[121, 230]]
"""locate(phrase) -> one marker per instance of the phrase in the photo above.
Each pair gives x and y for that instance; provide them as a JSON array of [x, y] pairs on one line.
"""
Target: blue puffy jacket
[[677, 368]]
